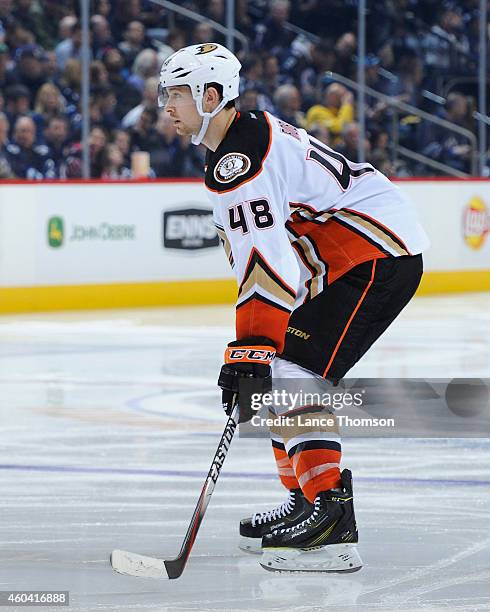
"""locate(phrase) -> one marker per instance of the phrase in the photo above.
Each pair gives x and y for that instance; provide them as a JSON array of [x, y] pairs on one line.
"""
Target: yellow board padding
[[457, 281], [193, 292], [117, 295]]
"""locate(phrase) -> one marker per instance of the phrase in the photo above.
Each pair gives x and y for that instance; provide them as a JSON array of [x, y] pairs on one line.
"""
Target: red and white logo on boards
[[476, 223]]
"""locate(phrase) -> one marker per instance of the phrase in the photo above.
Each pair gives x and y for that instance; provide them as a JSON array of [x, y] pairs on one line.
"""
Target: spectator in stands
[[97, 144], [177, 157], [251, 99], [17, 36], [5, 169], [25, 158], [149, 101], [102, 108], [122, 141], [16, 103], [248, 100], [143, 134], [272, 33], [103, 7], [243, 21], [322, 58], [451, 148], [99, 77], [337, 110], [65, 27], [49, 103], [446, 46], [174, 41], [112, 163], [50, 66], [321, 133], [29, 69], [4, 131], [215, 10], [55, 138], [381, 157], [345, 50], [70, 48], [134, 42], [408, 87], [127, 96], [203, 32], [31, 17], [348, 147], [6, 18], [271, 76], [101, 35], [145, 65], [287, 100], [251, 72], [6, 76], [70, 82]]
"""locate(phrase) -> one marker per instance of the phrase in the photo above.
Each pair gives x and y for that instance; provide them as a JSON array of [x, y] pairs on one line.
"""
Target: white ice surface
[[109, 421]]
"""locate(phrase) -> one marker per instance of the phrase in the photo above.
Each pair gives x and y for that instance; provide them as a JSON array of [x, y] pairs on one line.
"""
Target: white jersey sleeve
[[250, 218]]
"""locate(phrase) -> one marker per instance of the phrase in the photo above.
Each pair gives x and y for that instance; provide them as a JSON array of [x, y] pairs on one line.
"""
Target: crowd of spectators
[[414, 48]]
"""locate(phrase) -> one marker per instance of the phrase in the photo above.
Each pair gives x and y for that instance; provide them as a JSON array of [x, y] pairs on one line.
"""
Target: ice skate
[[323, 542], [294, 510]]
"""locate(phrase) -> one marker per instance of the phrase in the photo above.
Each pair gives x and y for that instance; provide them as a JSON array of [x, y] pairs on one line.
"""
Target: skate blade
[[333, 558], [252, 546]]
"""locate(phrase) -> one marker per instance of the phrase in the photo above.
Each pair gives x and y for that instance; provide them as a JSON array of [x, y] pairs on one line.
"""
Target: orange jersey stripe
[[258, 318], [342, 248]]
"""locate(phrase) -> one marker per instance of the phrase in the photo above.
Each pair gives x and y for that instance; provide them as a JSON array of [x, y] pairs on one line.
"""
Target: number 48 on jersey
[[257, 212]]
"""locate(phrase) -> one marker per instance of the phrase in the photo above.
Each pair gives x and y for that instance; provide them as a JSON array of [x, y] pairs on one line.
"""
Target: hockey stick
[[150, 567]]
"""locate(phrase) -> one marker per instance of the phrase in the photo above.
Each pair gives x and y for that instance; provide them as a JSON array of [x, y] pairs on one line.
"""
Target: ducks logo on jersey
[[230, 166]]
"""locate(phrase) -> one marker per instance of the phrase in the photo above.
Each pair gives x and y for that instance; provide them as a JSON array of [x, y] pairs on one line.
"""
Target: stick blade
[[131, 564]]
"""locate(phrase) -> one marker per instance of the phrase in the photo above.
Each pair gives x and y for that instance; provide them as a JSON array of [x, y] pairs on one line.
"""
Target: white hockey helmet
[[196, 66]]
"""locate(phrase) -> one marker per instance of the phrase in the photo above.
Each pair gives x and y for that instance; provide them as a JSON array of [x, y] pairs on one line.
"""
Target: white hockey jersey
[[294, 215]]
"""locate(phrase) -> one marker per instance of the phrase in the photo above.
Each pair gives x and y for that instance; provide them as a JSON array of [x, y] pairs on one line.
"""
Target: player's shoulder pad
[[13, 149], [241, 155]]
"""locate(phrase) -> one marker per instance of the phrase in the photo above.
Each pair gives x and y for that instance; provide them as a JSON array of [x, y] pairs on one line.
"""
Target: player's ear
[[211, 99]]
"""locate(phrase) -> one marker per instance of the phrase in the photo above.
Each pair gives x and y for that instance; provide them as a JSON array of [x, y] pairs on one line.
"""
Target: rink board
[[107, 244]]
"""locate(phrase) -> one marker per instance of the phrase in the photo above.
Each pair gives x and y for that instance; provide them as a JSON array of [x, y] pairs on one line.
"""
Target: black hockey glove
[[246, 371]]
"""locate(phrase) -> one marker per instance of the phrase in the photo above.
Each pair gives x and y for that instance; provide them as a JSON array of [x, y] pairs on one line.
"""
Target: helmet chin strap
[[206, 118], [197, 138]]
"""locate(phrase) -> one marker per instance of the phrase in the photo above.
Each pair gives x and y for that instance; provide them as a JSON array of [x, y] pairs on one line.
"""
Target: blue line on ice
[[196, 474]]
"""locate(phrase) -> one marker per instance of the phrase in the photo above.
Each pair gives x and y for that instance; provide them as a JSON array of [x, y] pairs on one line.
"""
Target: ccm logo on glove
[[253, 354]]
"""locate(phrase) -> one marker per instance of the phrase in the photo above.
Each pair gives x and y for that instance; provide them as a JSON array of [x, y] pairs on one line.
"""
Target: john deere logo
[[476, 223], [55, 232]]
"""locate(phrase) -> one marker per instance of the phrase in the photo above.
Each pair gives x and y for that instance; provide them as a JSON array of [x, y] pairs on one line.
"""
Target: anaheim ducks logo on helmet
[[206, 48], [230, 166]]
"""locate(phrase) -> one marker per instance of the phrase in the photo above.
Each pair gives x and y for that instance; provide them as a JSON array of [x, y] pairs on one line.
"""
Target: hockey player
[[326, 253]]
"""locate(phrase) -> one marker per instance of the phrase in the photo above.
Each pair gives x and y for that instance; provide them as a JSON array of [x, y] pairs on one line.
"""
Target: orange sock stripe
[[327, 480], [285, 469], [317, 470]]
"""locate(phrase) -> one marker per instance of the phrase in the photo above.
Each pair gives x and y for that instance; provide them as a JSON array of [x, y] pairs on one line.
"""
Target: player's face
[[179, 104]]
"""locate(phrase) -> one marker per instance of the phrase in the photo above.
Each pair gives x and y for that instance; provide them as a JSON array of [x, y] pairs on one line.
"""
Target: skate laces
[[279, 512], [307, 521]]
